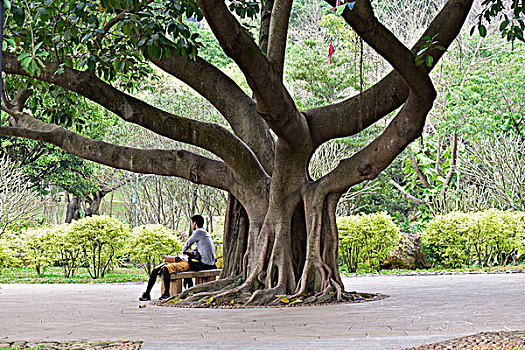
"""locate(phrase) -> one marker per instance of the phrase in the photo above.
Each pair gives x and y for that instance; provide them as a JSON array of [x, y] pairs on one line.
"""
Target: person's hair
[[198, 219]]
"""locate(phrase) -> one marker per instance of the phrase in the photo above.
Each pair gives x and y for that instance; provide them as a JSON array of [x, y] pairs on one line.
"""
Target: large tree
[[280, 235]]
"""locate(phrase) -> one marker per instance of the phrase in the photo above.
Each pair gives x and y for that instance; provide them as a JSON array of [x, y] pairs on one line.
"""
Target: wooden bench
[[200, 277]]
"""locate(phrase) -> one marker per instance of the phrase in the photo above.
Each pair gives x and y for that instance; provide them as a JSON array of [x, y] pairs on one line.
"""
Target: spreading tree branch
[[184, 164], [264, 30], [212, 137], [405, 193], [453, 158], [224, 94], [409, 122], [279, 33], [422, 177], [341, 119], [274, 103]]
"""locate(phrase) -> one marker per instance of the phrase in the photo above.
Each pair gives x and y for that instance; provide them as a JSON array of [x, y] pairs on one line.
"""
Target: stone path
[[420, 310]]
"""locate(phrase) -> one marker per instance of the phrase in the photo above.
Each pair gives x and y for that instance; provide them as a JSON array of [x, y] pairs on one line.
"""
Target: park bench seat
[[200, 277]]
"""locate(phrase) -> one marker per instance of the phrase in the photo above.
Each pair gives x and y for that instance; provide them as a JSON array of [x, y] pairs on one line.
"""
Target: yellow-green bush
[[490, 237], [365, 240], [6, 255], [445, 239], [518, 220], [37, 244], [149, 244], [67, 251], [102, 239]]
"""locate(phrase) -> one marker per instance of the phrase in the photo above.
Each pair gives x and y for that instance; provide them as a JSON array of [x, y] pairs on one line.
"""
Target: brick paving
[[483, 340]]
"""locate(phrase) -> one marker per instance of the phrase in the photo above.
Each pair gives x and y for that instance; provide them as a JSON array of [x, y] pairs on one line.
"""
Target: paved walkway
[[420, 309]]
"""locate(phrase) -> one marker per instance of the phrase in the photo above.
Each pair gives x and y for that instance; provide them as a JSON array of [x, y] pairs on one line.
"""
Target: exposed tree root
[[227, 294]]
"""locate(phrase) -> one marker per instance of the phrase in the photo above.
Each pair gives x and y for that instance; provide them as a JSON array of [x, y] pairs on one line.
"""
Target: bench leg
[[175, 287], [162, 286]]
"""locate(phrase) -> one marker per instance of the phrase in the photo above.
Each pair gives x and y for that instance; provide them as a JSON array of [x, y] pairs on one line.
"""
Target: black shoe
[[164, 297], [145, 297]]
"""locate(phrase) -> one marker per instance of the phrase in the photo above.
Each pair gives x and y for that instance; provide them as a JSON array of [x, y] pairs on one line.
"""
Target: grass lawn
[[55, 275], [123, 275], [509, 268]]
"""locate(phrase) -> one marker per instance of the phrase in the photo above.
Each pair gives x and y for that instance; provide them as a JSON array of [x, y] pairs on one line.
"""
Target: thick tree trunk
[[94, 203], [73, 209], [285, 253], [236, 227]]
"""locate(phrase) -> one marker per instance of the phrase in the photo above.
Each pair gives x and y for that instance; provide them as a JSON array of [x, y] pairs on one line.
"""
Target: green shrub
[[365, 240], [486, 238], [445, 240], [38, 245], [6, 255], [518, 220], [13, 242], [149, 244], [102, 239], [67, 251]]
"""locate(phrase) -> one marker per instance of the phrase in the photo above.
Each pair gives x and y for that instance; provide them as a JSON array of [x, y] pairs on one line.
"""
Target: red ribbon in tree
[[331, 51]]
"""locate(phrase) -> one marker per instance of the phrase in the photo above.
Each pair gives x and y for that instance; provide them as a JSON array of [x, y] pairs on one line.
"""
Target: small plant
[[445, 240], [67, 250], [487, 238]]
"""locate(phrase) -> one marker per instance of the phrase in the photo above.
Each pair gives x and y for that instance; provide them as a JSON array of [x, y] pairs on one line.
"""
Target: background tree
[[478, 104], [280, 232], [18, 202]]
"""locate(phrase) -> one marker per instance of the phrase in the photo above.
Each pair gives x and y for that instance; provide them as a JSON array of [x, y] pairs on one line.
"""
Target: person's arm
[[194, 238]]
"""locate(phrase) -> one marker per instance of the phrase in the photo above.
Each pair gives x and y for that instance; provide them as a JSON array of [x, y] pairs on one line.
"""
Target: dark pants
[[153, 279], [199, 266], [196, 266]]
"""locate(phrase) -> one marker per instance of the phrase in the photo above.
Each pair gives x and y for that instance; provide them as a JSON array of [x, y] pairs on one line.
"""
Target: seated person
[[201, 258]]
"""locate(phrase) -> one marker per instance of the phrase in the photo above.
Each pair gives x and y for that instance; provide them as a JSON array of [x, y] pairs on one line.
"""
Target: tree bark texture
[[72, 209], [280, 231]]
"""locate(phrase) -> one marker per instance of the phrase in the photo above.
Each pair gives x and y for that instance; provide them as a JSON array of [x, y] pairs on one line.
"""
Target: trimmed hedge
[[38, 244], [365, 240], [487, 238], [95, 242]]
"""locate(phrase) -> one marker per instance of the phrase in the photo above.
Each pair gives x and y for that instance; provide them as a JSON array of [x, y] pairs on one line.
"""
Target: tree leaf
[[429, 61], [503, 25], [482, 30]]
